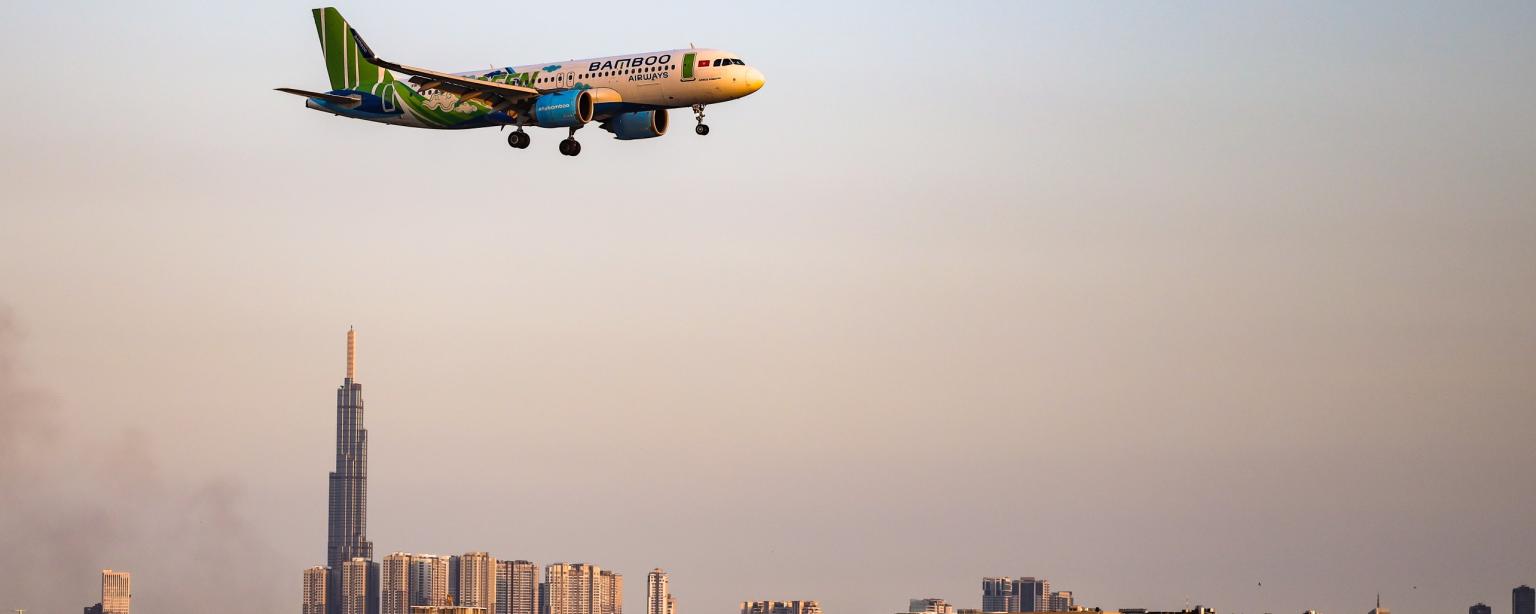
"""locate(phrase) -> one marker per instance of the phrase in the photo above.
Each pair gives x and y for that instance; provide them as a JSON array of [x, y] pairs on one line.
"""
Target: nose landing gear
[[698, 113]]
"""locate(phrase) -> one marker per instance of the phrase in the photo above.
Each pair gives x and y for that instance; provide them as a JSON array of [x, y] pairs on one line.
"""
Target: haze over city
[[1194, 303]]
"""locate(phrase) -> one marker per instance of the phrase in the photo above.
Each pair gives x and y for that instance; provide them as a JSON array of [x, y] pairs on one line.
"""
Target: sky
[[1169, 303]]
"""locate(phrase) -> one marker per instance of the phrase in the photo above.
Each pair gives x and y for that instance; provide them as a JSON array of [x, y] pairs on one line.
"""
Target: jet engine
[[565, 109], [637, 125]]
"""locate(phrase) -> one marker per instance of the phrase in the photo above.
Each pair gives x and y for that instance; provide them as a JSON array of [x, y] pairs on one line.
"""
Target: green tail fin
[[344, 61]]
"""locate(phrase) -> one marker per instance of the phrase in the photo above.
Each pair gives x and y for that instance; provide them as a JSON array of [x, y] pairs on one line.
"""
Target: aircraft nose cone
[[755, 80]]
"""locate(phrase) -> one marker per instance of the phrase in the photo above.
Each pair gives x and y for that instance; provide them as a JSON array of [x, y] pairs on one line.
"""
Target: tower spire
[[351, 353]]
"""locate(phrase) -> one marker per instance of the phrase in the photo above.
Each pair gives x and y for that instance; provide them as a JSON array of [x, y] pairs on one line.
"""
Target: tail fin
[[344, 58]]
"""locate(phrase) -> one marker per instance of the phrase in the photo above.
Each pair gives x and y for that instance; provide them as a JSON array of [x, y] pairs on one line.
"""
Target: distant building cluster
[[351, 582], [1025, 594], [1523, 601]]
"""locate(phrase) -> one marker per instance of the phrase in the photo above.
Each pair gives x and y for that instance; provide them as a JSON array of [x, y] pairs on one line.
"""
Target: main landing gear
[[698, 113], [570, 146], [519, 139]]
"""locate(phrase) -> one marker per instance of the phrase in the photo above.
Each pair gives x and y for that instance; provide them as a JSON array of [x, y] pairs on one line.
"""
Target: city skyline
[[400, 576], [1244, 288]]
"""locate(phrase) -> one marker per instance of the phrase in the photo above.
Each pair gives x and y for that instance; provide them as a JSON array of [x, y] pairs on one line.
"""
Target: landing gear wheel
[[698, 114], [519, 140], [570, 147]]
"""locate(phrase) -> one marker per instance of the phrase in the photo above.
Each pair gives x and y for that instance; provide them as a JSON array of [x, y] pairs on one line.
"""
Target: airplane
[[627, 95]]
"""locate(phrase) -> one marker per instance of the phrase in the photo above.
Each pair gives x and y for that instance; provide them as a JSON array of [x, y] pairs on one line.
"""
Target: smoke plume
[[72, 504]]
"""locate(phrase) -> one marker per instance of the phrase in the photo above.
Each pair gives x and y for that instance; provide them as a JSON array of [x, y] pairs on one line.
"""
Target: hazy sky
[[1156, 300]]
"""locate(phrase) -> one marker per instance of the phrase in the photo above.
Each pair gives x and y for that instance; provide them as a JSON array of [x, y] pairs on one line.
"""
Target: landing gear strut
[[698, 113], [570, 146], [519, 139]]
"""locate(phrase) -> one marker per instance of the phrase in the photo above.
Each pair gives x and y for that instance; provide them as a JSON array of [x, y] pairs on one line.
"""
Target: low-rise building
[[781, 607]]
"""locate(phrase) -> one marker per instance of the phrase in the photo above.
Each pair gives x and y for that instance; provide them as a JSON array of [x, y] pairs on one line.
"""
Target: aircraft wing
[[465, 87]]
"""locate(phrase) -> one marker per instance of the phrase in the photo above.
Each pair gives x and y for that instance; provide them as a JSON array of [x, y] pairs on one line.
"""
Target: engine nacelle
[[563, 110], [637, 125]]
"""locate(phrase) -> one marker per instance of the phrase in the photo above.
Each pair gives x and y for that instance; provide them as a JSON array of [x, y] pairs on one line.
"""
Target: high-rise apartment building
[[1524, 600], [1480, 608], [477, 581], [997, 595], [610, 593], [395, 584], [429, 580], [930, 605], [1032, 594], [315, 593], [517, 587], [658, 592], [579, 588], [355, 585], [1061, 601], [780, 607], [116, 592]]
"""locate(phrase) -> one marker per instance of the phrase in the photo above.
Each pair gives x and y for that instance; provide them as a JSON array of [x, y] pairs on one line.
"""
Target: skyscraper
[[658, 592], [477, 581], [1480, 608], [1525, 600], [997, 595], [517, 587], [395, 584], [116, 592], [347, 517], [347, 534], [315, 594]]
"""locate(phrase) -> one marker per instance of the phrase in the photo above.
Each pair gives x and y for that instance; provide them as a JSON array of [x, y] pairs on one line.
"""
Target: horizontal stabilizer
[[346, 102]]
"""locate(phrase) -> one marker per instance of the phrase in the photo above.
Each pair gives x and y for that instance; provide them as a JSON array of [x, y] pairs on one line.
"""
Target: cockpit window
[[717, 62], [738, 62]]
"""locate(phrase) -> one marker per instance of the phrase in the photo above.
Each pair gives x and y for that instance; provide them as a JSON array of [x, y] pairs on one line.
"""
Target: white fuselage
[[660, 79]]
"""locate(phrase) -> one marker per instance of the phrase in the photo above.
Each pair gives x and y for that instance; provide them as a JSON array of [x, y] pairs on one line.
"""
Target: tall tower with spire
[[1379, 609], [347, 520]]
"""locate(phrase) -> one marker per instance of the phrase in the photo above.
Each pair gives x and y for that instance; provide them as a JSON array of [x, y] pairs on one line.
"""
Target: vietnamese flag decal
[[703, 63]]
